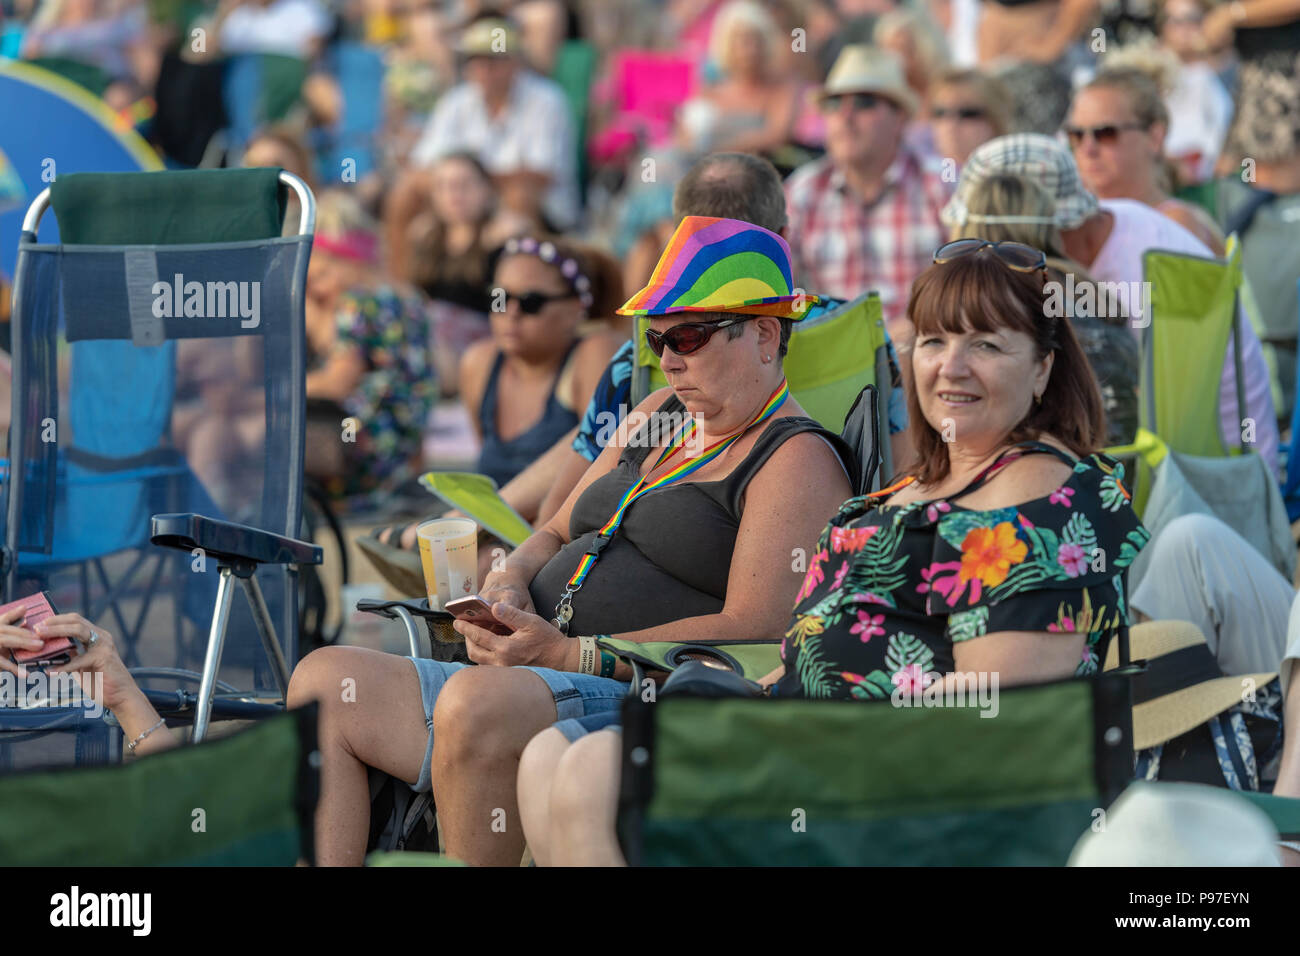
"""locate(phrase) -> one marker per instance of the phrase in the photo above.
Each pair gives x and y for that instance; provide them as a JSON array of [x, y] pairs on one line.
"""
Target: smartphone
[[477, 611], [56, 650]]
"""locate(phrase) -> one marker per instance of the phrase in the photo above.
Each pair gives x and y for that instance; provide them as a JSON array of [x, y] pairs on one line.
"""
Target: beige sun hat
[[1180, 824], [1183, 686], [861, 68]]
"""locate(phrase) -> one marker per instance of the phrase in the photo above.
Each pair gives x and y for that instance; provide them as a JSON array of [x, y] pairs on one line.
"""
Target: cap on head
[[490, 36], [1043, 159], [861, 68], [722, 265]]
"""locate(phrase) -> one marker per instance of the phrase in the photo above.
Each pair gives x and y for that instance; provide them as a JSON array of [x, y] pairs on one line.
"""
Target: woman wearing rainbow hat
[[685, 527]]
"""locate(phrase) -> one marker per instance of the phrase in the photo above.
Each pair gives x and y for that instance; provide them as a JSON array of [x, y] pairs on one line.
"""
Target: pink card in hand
[[57, 650]]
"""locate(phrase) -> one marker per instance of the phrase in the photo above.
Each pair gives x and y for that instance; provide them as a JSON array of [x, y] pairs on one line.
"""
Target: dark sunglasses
[[689, 337], [858, 101], [1014, 255], [530, 303], [1103, 135], [959, 112]]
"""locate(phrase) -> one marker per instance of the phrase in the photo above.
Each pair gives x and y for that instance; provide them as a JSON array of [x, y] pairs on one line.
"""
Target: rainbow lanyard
[[564, 609]]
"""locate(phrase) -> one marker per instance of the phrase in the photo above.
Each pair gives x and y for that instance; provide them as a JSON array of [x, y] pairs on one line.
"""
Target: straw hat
[[722, 265], [1182, 687], [1180, 824], [1033, 156], [861, 68]]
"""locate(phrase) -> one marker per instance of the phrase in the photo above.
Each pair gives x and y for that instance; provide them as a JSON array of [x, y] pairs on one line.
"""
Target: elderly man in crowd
[[866, 216]]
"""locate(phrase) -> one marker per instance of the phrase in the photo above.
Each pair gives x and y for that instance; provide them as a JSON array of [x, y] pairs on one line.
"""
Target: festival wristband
[[586, 655], [607, 662]]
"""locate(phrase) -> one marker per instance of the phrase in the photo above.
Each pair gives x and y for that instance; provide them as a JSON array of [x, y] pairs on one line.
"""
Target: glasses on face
[[1014, 255], [857, 102], [959, 112], [531, 303], [1101, 135], [688, 337]]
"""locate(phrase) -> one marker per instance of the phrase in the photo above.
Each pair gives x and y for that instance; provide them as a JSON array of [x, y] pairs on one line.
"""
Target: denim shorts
[[577, 727], [575, 695]]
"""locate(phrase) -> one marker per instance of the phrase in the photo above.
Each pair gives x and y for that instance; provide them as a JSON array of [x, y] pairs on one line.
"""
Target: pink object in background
[[646, 89]]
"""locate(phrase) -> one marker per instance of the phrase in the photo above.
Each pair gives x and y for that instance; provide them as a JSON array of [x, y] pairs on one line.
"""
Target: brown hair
[[1140, 87], [977, 292], [602, 270], [432, 262]]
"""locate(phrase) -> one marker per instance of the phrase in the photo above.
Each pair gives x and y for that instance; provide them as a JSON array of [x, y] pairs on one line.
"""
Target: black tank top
[[672, 554]]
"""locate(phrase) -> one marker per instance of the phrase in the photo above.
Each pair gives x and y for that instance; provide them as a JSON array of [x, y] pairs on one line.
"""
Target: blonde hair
[[992, 94], [930, 46], [741, 13], [1143, 77], [1004, 195], [338, 213]]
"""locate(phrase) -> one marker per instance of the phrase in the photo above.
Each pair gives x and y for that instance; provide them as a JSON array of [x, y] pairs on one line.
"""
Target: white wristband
[[587, 655]]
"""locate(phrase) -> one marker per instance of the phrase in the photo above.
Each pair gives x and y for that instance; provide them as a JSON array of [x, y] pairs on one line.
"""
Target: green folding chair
[[834, 353], [742, 781], [1283, 811], [243, 800], [1193, 314]]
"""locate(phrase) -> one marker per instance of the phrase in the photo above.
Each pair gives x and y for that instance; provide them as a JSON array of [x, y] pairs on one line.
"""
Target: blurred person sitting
[[947, 573], [752, 478], [921, 48], [967, 108], [108, 36], [866, 217], [370, 388], [1109, 239], [1116, 127], [516, 122], [525, 387], [1040, 31], [751, 108], [296, 28], [1015, 209], [1199, 105]]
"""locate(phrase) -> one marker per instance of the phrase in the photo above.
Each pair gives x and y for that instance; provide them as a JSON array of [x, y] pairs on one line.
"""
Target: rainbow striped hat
[[722, 265]]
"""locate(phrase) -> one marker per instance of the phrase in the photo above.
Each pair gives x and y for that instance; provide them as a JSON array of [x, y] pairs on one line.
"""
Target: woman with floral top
[[1002, 549]]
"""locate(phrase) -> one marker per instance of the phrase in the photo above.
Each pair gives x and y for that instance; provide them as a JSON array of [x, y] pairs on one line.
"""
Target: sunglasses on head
[[530, 303], [959, 112], [1102, 135], [1014, 255], [857, 101], [690, 336]]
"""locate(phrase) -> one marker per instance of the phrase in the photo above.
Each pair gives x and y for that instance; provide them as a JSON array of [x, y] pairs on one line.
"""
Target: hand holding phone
[[55, 650], [476, 611]]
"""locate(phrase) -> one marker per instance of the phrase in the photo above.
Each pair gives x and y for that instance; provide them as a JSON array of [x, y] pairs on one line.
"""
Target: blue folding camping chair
[[159, 407]]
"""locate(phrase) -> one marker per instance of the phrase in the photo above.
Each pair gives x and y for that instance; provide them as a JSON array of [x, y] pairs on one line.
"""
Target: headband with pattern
[[548, 253]]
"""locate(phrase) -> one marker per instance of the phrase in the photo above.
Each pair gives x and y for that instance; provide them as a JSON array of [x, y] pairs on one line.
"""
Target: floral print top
[[891, 588]]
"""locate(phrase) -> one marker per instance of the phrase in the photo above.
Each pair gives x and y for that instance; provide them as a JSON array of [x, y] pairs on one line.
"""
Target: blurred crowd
[[433, 132]]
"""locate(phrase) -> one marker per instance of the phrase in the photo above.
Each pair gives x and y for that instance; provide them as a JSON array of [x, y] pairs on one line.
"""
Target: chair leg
[[212, 658], [265, 627]]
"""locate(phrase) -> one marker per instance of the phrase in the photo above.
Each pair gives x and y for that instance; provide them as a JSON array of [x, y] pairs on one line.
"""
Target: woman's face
[[745, 53], [1115, 155], [460, 195], [1181, 31], [269, 152], [706, 380], [975, 387], [329, 276], [960, 122], [545, 332]]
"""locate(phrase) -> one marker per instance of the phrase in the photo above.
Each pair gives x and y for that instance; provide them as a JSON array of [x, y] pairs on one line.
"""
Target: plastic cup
[[449, 556]]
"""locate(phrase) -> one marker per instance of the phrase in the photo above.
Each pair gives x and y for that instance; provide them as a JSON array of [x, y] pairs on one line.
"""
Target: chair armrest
[[230, 542], [416, 608]]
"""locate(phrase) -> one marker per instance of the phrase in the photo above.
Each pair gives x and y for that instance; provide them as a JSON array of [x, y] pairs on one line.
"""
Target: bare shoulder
[[804, 466], [475, 364], [1028, 478]]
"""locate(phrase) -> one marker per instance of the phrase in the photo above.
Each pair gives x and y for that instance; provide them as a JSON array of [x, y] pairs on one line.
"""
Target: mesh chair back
[[743, 781], [157, 373]]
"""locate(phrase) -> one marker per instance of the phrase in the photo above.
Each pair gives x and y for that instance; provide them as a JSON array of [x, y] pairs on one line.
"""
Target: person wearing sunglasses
[[683, 526], [967, 108], [1109, 238], [1116, 128], [535, 359], [973, 560]]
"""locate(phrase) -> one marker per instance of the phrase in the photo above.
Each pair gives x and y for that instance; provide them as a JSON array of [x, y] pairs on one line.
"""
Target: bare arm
[[775, 133], [1072, 19], [528, 491], [340, 376], [475, 366]]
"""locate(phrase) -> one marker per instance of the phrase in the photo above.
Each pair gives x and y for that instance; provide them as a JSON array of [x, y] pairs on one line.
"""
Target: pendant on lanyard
[[564, 608]]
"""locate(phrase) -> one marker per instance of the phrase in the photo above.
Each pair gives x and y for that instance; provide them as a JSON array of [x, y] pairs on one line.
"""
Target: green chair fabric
[[282, 79], [749, 659], [831, 359], [256, 789], [86, 75], [169, 208], [411, 859], [574, 72], [1283, 811], [801, 782]]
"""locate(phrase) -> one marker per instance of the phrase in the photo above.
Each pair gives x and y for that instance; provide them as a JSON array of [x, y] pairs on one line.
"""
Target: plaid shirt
[[843, 247]]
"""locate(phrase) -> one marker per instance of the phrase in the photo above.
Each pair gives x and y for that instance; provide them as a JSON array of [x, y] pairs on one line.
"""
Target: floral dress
[[892, 588], [395, 396]]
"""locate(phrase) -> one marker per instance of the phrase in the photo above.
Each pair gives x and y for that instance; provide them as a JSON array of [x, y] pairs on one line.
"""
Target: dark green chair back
[[742, 781], [256, 789]]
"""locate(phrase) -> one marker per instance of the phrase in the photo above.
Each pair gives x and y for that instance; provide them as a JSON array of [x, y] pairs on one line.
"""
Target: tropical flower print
[[988, 553], [915, 580]]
